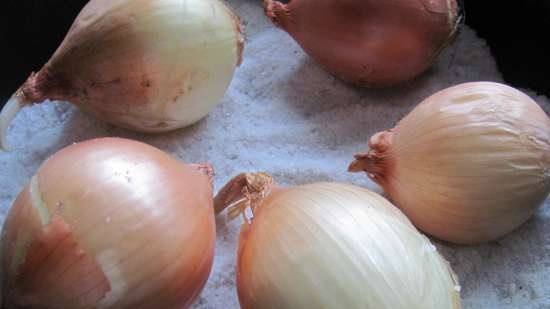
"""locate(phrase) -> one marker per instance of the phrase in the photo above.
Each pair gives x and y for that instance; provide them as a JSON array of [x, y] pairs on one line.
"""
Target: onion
[[468, 165], [330, 245], [369, 42], [109, 223], [146, 65]]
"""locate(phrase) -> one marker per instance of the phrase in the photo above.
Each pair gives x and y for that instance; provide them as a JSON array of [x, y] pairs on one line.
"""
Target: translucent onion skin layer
[[109, 223], [328, 245], [369, 42], [468, 165], [146, 65]]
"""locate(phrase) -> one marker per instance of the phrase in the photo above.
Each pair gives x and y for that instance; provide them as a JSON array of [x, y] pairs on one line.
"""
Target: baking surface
[[285, 115]]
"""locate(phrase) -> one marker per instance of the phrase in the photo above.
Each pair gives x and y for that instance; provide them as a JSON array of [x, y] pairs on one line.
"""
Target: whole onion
[[109, 223], [330, 245], [146, 65], [369, 42], [468, 165]]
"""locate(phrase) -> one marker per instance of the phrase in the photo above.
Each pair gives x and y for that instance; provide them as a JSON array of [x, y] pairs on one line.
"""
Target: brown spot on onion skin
[[374, 43], [56, 273], [145, 82]]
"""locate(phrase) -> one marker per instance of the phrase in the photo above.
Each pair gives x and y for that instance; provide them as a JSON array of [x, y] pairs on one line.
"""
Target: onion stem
[[12, 107]]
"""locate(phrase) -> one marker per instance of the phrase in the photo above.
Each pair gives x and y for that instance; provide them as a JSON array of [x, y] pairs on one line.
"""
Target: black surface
[[31, 30], [517, 32]]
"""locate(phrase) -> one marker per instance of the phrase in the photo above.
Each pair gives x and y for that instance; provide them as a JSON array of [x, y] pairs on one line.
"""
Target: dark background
[[31, 30]]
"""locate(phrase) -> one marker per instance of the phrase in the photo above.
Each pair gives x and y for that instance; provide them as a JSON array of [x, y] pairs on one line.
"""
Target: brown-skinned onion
[[369, 42]]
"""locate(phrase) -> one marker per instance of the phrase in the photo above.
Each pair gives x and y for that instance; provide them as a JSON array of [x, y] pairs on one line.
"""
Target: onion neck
[[34, 86], [277, 11], [375, 162], [246, 190]]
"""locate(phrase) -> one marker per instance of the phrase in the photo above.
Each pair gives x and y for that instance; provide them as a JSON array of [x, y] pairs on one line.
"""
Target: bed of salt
[[285, 115]]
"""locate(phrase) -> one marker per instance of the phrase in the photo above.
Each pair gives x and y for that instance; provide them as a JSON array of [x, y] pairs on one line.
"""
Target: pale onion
[[109, 223], [146, 65], [374, 42], [330, 245], [468, 165]]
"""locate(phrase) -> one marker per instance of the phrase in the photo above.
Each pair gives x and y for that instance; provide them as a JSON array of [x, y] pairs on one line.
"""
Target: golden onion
[[468, 165], [109, 223]]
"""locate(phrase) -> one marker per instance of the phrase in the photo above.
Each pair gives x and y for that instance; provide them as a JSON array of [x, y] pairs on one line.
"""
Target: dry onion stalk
[[109, 223], [330, 245], [375, 42], [468, 165], [146, 65]]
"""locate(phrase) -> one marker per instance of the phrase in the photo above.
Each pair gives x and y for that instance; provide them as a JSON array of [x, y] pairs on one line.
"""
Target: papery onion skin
[[468, 165], [373, 43], [111, 223], [330, 245], [146, 65]]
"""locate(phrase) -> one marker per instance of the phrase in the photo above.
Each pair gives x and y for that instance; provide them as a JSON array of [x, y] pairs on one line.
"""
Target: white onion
[[330, 245]]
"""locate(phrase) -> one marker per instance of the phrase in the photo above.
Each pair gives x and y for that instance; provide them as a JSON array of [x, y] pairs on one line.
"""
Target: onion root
[[8, 113]]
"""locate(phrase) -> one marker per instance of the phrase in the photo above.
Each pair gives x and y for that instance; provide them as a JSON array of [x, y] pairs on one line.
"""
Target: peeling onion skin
[[109, 223], [369, 42], [146, 65], [330, 245], [468, 165]]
